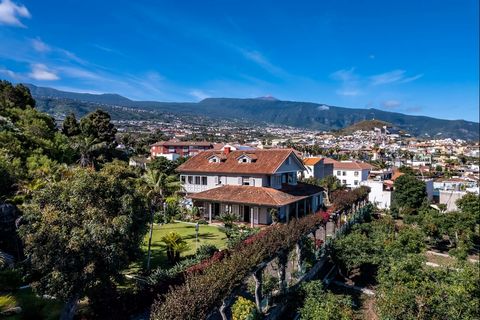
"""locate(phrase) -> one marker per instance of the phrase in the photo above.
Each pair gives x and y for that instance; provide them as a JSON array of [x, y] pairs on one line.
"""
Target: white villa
[[249, 184]]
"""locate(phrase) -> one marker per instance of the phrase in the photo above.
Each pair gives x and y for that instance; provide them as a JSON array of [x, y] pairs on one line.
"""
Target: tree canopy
[[80, 232]]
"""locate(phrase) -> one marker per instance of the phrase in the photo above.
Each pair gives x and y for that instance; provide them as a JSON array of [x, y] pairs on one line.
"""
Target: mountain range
[[259, 110]]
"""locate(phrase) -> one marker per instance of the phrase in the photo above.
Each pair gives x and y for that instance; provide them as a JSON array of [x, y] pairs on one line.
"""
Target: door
[[246, 213], [255, 215]]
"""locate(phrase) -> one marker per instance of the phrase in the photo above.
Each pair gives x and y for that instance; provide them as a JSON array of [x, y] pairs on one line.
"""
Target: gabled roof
[[311, 161], [260, 196], [352, 165], [267, 162]]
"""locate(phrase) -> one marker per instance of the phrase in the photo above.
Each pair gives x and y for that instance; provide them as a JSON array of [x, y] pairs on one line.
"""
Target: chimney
[[226, 150]]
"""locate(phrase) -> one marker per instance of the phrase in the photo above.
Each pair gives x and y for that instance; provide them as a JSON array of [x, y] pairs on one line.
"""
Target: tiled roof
[[329, 161], [265, 162], [311, 161], [352, 165], [260, 196], [178, 143]]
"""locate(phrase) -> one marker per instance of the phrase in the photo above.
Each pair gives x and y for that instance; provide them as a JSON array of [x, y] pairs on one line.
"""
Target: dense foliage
[[203, 291], [82, 231], [409, 194], [319, 304]]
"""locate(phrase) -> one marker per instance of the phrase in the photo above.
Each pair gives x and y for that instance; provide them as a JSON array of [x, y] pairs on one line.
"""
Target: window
[[244, 160], [185, 149], [171, 150], [204, 181], [355, 173], [338, 173], [183, 179], [197, 180], [190, 179], [344, 173], [344, 181], [290, 178], [246, 181], [355, 182]]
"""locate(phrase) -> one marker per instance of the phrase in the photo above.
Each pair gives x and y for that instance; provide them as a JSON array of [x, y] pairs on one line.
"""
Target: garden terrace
[[211, 287]]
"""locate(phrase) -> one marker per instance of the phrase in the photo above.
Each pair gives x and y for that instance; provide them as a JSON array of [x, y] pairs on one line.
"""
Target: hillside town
[[239, 160], [374, 158]]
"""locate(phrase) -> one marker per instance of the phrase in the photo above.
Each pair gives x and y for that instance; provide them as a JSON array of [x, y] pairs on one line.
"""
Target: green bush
[[206, 251], [244, 309], [10, 279], [322, 305]]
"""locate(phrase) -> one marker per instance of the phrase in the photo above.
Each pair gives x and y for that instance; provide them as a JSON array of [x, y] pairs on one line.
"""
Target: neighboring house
[[380, 192], [138, 162], [351, 173], [249, 184], [316, 168], [173, 149]]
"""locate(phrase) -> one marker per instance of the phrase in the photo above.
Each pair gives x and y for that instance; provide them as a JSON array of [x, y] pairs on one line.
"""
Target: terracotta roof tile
[[266, 162], [258, 195], [311, 161], [352, 165]]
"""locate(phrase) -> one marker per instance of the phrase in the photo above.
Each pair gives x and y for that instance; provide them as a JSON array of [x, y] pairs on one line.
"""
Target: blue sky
[[414, 57]]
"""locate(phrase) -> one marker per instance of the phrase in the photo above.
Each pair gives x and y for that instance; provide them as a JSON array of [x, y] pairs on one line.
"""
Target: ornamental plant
[[244, 309]]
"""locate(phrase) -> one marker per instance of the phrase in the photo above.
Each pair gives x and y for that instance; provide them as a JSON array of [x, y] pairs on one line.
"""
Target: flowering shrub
[[344, 199], [204, 291], [244, 309]]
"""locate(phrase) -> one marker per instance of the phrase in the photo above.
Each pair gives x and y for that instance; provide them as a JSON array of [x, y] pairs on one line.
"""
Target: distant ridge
[[297, 114]]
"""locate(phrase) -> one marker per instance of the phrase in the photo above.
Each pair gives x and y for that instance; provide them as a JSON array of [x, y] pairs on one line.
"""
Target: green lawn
[[207, 235]]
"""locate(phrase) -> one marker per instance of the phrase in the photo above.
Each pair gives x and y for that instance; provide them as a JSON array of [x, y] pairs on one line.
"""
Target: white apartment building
[[351, 173]]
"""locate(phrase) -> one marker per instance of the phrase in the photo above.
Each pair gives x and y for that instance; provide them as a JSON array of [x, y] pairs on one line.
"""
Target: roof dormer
[[246, 158], [214, 159]]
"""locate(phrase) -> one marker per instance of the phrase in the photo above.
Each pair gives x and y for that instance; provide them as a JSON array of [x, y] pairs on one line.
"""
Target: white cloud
[[348, 93], [398, 76], [79, 73], [345, 75], [41, 72], [391, 104], [10, 74], [263, 62], [40, 46], [410, 79], [10, 13], [350, 82], [199, 94]]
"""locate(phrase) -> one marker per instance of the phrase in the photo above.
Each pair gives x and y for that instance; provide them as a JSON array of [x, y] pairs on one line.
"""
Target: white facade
[[378, 195], [351, 177], [168, 156]]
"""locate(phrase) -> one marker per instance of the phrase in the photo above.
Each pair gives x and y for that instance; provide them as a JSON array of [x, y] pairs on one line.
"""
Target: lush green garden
[[207, 234]]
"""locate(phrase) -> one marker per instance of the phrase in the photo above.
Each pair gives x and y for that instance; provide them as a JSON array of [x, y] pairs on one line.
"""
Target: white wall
[[382, 199], [449, 197], [349, 178], [215, 180]]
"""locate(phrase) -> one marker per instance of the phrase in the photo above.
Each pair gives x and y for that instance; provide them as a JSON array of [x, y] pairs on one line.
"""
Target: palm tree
[[175, 244], [158, 185], [86, 146]]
